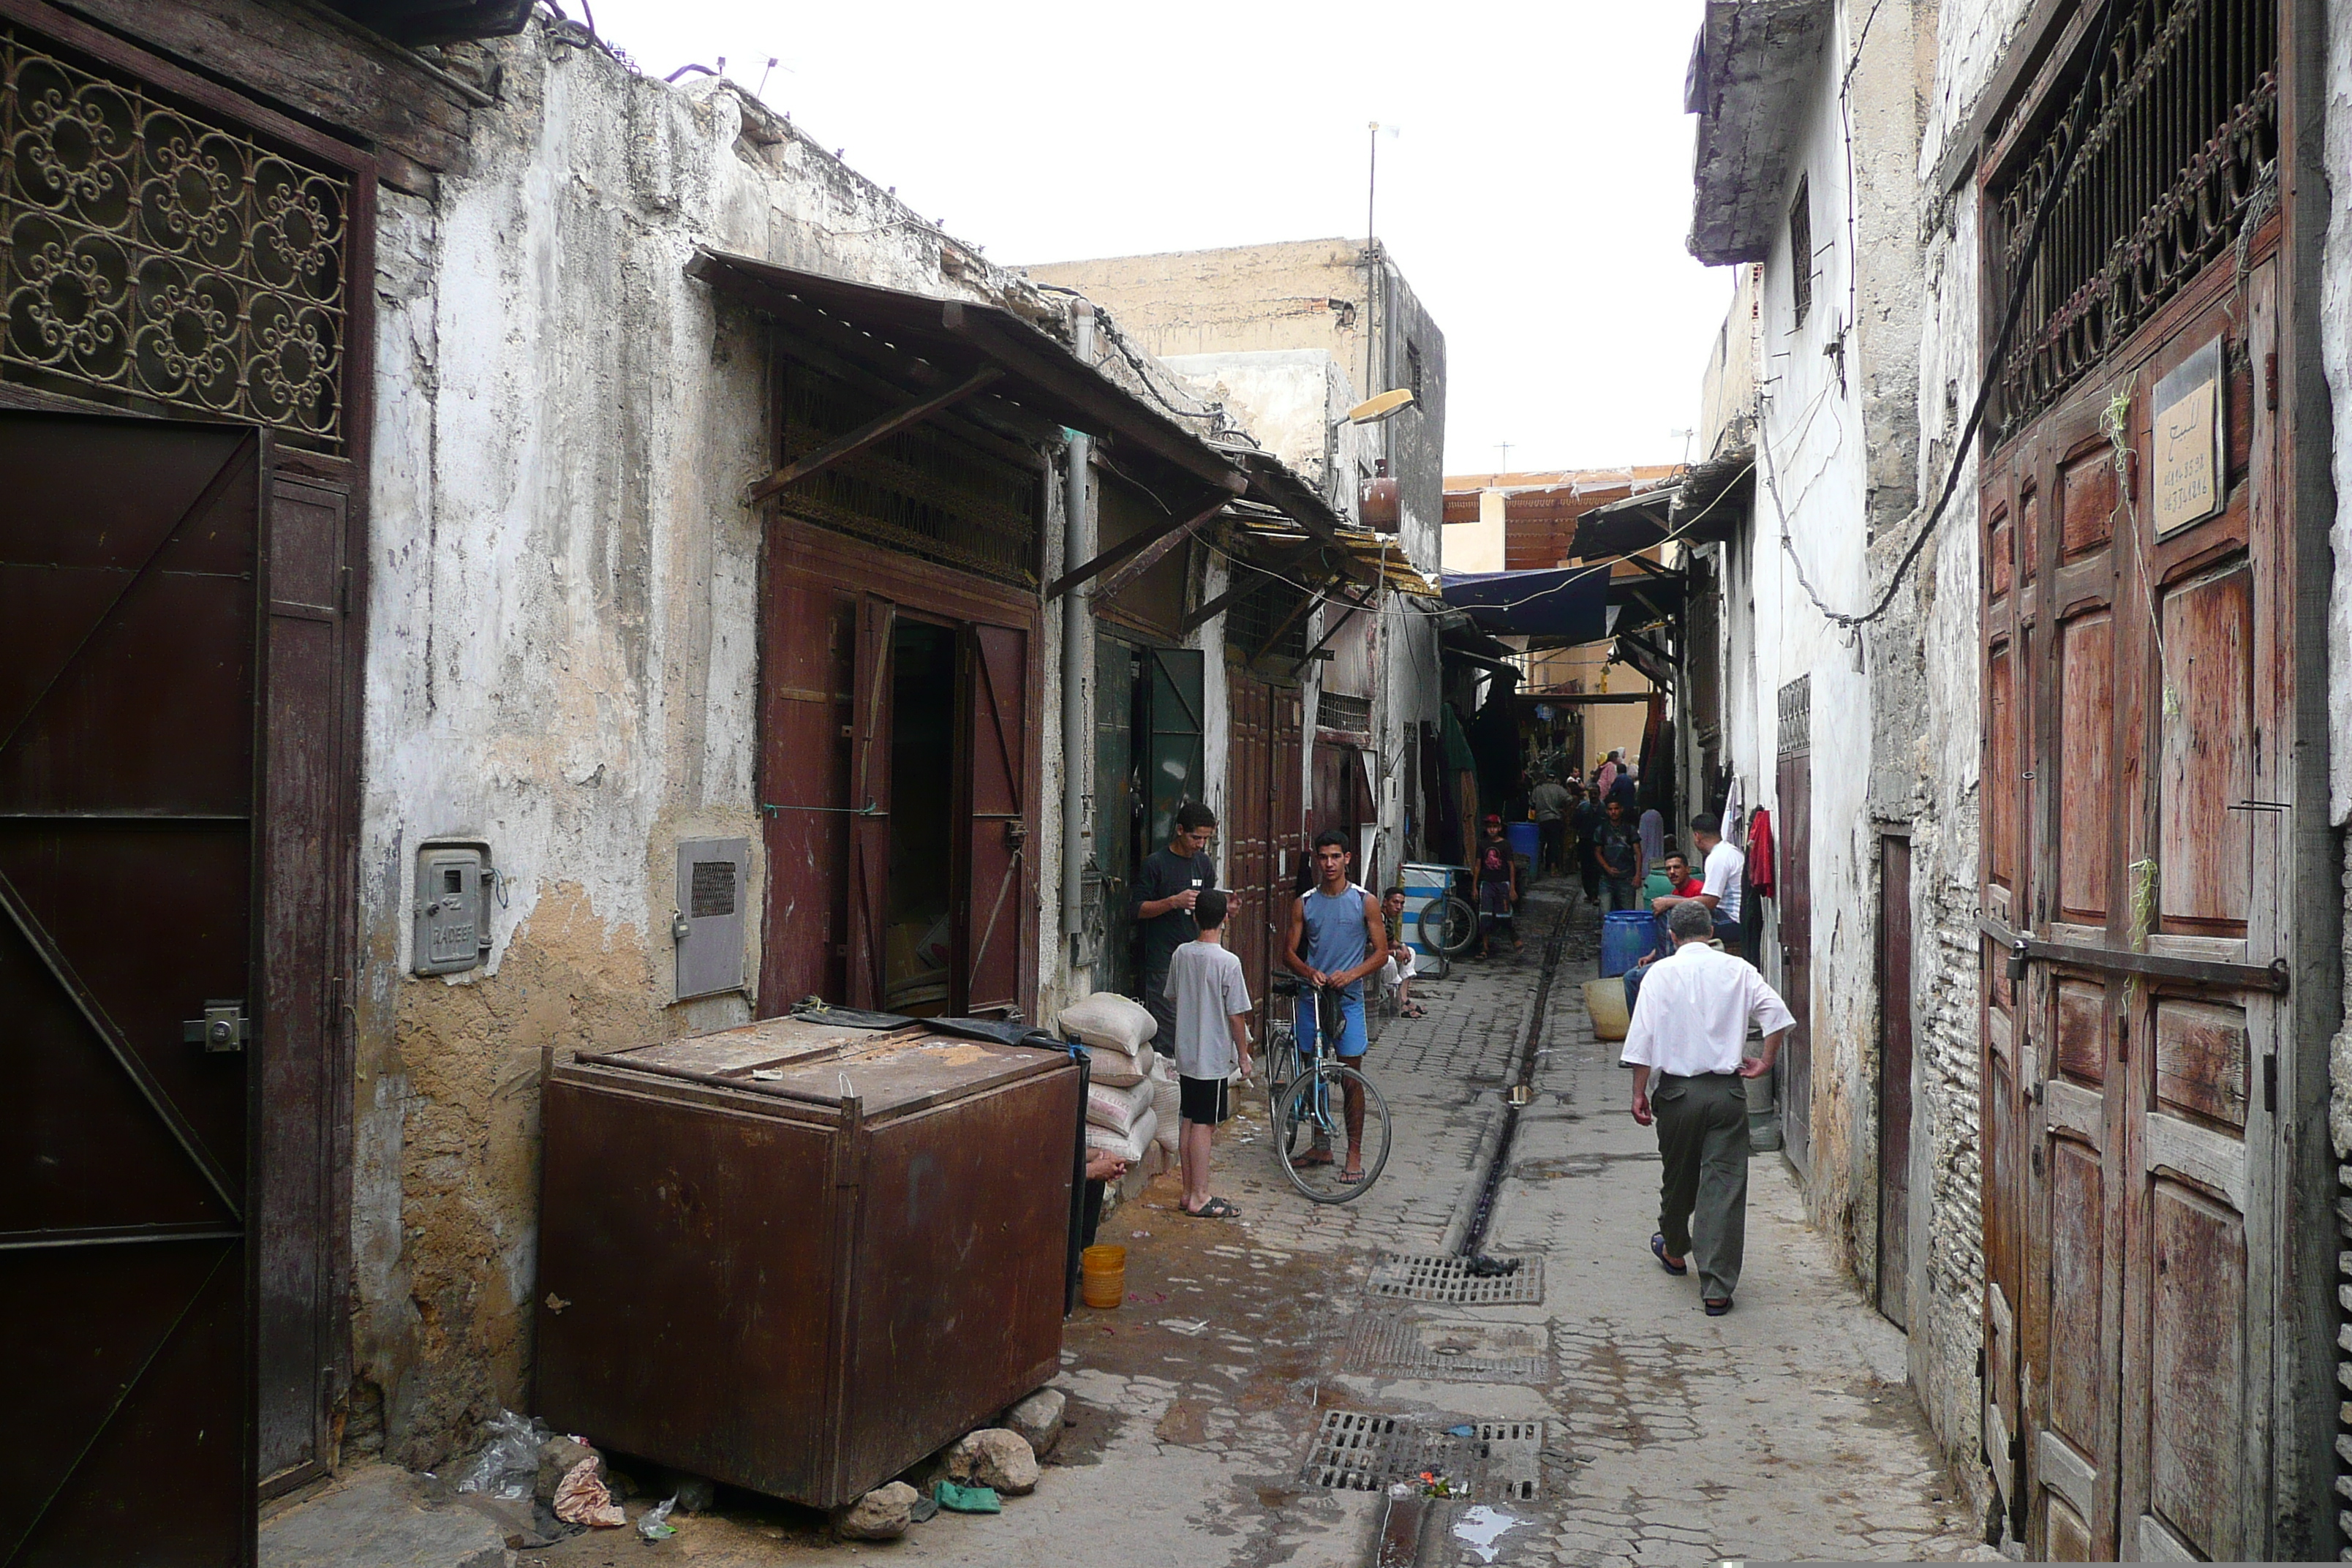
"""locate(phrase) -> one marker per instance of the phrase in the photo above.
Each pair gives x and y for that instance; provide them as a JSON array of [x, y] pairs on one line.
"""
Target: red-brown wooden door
[[2131, 821], [1248, 804], [998, 927], [1796, 928]]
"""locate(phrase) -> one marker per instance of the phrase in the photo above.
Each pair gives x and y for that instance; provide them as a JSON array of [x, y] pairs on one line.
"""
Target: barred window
[[938, 489], [1801, 251], [2179, 156], [1336, 711], [1274, 606], [152, 259]]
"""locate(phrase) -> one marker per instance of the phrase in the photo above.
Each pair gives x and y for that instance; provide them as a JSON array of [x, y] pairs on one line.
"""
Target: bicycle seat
[[1284, 985]]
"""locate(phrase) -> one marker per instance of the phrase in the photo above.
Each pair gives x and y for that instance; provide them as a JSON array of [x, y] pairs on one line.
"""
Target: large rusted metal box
[[798, 1259]]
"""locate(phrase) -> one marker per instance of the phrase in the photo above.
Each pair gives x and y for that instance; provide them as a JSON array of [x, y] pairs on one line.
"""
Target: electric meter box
[[708, 921], [455, 883]]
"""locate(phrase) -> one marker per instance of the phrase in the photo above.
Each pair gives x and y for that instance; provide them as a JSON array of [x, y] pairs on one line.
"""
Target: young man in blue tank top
[[1337, 926]]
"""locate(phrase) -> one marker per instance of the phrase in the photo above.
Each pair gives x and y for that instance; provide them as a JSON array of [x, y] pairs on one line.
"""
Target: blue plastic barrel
[[1625, 936], [1526, 838]]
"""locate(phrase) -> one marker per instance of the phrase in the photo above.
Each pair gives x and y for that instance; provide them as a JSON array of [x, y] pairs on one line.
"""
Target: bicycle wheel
[[1281, 1065], [1314, 1110], [1449, 927], [1431, 966]]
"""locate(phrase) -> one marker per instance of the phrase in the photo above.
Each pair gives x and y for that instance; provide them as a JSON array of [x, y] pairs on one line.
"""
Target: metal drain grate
[[1477, 1353], [1437, 1277], [1356, 1452]]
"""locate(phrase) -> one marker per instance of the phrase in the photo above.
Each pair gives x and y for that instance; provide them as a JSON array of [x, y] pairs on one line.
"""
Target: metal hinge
[[224, 1028]]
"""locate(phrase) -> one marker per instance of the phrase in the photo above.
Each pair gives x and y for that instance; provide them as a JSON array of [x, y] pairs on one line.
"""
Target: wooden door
[[2135, 660], [994, 930], [1895, 1079], [1248, 803], [1117, 815], [869, 792], [1795, 910], [135, 620], [808, 705], [1286, 823]]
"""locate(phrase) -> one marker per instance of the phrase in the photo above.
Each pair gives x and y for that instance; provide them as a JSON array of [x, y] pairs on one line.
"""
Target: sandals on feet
[[1314, 1157], [1349, 1178], [1658, 1245], [1718, 1308], [1215, 1208], [1412, 1010]]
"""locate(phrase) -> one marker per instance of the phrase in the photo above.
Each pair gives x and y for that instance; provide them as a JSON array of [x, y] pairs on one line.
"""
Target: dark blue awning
[[1570, 603]]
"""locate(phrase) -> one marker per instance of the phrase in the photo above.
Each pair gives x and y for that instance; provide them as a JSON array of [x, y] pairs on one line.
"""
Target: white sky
[[1535, 195]]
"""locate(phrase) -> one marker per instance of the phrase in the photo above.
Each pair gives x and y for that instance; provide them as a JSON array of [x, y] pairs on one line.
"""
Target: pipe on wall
[[1078, 548]]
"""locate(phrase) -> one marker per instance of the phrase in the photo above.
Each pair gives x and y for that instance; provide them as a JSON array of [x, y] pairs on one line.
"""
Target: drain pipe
[[1078, 548]]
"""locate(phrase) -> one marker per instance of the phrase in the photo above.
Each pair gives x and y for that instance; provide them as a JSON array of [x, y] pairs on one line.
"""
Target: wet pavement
[[1620, 1425]]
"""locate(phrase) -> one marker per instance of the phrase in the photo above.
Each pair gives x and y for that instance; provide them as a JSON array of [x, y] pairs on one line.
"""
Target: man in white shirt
[[1689, 1032]]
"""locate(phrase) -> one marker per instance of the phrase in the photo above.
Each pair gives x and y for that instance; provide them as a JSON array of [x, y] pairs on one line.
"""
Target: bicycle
[[1306, 1100]]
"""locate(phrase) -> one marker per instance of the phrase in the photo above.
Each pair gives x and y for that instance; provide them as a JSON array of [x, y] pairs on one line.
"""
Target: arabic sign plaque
[[2190, 463]]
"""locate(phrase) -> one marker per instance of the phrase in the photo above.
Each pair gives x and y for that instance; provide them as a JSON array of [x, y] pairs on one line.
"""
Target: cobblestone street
[[1781, 1431]]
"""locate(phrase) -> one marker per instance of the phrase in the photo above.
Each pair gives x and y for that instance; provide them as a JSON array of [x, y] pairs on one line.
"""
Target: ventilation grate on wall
[[1495, 1461], [1336, 711], [1437, 1277]]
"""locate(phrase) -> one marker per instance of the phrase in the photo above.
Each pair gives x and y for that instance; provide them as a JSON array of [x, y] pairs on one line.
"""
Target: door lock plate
[[224, 1028]]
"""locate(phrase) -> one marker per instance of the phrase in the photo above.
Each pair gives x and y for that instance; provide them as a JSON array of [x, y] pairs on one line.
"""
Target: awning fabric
[[1623, 527], [1570, 603]]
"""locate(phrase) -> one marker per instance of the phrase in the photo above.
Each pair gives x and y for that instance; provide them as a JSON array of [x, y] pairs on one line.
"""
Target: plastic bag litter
[[582, 1498], [507, 1465], [656, 1525]]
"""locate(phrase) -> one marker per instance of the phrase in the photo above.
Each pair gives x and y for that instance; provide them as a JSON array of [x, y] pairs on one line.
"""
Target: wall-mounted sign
[[2189, 464]]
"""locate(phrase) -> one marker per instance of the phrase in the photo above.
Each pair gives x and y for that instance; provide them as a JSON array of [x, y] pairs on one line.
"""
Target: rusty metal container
[[1381, 504], [798, 1259]]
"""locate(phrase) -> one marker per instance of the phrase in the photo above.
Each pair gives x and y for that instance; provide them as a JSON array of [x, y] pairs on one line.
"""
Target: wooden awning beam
[[1356, 601], [879, 428], [1149, 544], [1300, 608]]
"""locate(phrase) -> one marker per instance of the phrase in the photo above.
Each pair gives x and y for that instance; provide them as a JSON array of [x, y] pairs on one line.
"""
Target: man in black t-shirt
[[1166, 886]]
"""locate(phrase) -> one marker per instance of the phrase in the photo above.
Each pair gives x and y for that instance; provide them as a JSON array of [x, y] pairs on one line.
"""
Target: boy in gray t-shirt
[[1211, 1002]]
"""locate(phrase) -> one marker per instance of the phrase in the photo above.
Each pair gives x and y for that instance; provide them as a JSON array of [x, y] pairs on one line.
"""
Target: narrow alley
[[1613, 1423]]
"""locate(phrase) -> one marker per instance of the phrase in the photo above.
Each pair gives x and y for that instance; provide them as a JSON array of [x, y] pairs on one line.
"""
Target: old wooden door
[[2136, 681], [994, 928], [1248, 804], [1894, 1084], [131, 973], [1795, 910], [869, 792]]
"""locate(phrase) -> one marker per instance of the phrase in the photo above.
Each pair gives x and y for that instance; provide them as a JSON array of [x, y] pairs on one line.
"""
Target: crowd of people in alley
[[1692, 998]]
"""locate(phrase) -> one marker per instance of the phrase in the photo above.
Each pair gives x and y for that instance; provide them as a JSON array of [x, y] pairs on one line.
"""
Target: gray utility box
[[455, 883], [713, 879]]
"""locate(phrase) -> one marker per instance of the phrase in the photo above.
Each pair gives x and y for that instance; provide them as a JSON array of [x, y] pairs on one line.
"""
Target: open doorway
[[919, 950]]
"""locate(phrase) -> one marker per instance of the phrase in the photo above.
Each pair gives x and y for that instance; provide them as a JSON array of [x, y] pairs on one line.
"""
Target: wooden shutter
[[870, 794], [996, 919]]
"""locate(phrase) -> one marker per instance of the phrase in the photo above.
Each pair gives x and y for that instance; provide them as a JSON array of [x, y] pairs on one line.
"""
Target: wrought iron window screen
[[1797, 716], [2180, 135], [1254, 616], [1337, 710], [150, 259], [926, 490]]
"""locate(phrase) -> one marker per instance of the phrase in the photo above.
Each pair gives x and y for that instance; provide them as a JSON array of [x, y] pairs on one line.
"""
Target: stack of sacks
[[1168, 1101], [1122, 1087]]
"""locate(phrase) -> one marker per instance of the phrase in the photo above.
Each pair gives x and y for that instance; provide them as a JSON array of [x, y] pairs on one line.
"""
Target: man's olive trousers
[[1703, 1206]]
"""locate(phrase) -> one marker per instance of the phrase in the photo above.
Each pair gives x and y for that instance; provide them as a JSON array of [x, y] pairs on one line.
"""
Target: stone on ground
[[993, 1457], [1038, 1418], [882, 1514], [558, 1456]]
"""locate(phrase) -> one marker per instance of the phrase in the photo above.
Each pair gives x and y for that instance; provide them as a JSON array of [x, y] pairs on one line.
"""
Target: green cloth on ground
[[967, 1499]]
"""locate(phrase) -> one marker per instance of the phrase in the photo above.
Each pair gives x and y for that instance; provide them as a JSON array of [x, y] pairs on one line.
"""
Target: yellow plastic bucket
[[1605, 1000], [1102, 1276]]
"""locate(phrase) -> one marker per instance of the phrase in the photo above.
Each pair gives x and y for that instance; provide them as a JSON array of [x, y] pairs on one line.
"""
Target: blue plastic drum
[[1626, 936]]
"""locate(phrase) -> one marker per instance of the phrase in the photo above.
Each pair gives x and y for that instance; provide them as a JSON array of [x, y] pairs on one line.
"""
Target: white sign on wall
[[2190, 478]]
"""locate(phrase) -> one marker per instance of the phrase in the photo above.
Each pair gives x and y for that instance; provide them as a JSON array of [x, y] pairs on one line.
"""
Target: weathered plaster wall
[[2336, 352], [1947, 1279], [562, 647]]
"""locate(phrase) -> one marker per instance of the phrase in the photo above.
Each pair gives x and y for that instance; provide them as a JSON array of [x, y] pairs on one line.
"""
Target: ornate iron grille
[[2179, 156], [927, 490], [1254, 616], [1797, 716], [1336, 711], [148, 259]]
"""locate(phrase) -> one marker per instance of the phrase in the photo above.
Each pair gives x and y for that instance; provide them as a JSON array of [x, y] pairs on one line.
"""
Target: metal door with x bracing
[[128, 656]]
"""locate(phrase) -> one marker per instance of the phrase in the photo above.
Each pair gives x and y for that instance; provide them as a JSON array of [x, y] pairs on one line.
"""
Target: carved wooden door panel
[[869, 789]]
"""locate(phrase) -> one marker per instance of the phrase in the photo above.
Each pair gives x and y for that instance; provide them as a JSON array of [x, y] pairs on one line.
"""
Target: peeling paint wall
[[562, 647], [1947, 1279]]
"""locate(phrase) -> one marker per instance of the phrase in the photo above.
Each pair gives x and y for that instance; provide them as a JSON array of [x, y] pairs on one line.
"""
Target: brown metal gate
[[132, 977], [2137, 687], [1794, 782], [1248, 806]]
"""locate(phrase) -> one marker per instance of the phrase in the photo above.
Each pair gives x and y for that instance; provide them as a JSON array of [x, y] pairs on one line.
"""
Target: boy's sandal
[[1215, 1208], [1349, 1178], [1412, 1010], [1314, 1157]]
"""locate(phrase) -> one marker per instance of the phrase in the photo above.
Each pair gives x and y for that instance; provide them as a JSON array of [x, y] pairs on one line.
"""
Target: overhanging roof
[[1751, 68], [1623, 527], [1569, 602], [419, 21]]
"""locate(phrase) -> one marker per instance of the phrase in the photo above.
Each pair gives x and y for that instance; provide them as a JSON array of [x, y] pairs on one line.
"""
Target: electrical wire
[[2015, 306]]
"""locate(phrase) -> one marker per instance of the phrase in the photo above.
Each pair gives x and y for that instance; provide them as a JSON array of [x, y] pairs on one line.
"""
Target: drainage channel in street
[[1520, 1089]]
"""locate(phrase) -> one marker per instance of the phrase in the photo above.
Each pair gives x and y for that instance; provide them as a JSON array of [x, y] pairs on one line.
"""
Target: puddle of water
[[1481, 1527]]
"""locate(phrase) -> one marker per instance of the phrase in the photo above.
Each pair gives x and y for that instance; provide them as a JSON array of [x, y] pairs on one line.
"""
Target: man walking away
[[1686, 1045], [1584, 823], [1212, 1000], [1337, 926], [1550, 802], [1619, 849], [1166, 888], [1498, 889]]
